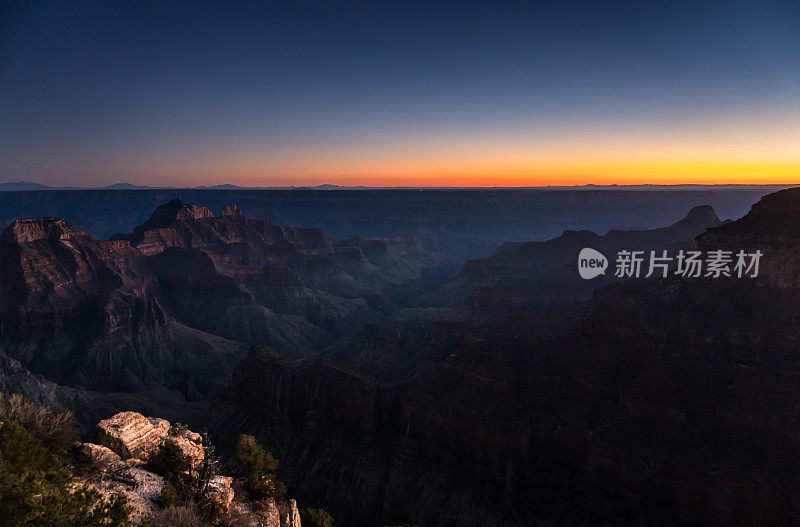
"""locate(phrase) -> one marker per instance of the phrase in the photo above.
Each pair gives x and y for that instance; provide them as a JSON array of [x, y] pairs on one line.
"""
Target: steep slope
[[299, 273], [536, 275], [83, 313], [166, 320], [771, 227], [663, 401]]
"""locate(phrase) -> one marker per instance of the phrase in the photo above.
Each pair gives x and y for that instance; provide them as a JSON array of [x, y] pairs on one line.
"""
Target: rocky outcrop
[[231, 210], [292, 518], [220, 491], [120, 466], [99, 456], [272, 517], [294, 289], [772, 227], [190, 443], [132, 435], [83, 312]]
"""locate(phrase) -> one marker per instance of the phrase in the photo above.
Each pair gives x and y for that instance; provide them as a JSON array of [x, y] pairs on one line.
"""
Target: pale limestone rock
[[132, 435], [190, 443], [273, 517], [293, 515], [219, 491], [100, 457]]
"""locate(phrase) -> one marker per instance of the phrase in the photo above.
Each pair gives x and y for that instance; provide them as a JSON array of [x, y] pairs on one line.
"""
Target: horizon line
[[32, 186]]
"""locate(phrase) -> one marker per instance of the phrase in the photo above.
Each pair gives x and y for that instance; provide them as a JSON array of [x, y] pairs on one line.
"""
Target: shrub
[[54, 428], [238, 517], [34, 491], [114, 512], [168, 496], [170, 461], [257, 466], [211, 511], [185, 515], [316, 518], [252, 457]]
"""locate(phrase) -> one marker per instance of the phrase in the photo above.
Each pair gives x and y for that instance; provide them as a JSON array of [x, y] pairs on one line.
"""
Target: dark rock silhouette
[[544, 275], [666, 401]]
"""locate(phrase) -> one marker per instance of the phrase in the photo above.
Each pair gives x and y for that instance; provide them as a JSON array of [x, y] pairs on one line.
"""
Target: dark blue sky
[[266, 93]]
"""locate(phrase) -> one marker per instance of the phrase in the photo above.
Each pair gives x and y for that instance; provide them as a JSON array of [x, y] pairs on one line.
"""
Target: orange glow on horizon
[[751, 148]]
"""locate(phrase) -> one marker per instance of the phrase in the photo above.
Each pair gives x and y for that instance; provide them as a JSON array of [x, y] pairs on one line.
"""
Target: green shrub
[[114, 512], [34, 488], [170, 461], [168, 496], [316, 518], [252, 457], [257, 466], [54, 428]]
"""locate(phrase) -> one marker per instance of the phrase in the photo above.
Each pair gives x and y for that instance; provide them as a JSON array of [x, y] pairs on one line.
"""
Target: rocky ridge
[[162, 315], [652, 403], [543, 275], [119, 463]]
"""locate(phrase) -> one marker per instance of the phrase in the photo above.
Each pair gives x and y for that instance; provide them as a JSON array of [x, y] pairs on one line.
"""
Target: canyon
[[399, 389]]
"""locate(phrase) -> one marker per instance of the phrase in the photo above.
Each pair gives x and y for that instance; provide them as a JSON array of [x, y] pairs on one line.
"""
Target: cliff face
[[661, 401], [174, 305], [773, 227], [320, 286], [644, 409], [83, 313], [537, 275]]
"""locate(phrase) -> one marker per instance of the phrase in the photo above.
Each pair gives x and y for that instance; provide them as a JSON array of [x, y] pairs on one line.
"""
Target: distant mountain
[[31, 185], [534, 275], [23, 185], [462, 224], [127, 186], [84, 313]]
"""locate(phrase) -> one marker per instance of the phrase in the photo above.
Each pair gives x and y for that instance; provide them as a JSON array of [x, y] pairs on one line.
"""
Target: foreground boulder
[[127, 441], [190, 443], [134, 436], [220, 491], [100, 457]]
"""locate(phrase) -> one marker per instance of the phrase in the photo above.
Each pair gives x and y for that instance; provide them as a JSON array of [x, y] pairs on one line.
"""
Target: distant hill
[[32, 185], [128, 186], [23, 185]]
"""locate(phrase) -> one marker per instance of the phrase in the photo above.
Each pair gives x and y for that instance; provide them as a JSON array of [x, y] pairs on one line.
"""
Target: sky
[[400, 93]]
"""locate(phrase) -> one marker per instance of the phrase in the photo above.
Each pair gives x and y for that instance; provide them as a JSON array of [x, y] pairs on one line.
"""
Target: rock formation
[[119, 464], [543, 275], [99, 456], [132, 435], [652, 403], [161, 316], [83, 313]]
